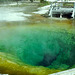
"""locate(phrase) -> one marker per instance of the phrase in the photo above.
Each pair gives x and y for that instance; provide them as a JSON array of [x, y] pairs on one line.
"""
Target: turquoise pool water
[[50, 45], [40, 41]]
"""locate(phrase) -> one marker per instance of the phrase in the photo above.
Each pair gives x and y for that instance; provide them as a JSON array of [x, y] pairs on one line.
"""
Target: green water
[[40, 44], [40, 41]]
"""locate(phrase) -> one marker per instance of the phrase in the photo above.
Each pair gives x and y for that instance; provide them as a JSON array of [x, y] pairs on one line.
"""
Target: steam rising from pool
[[38, 45], [48, 42]]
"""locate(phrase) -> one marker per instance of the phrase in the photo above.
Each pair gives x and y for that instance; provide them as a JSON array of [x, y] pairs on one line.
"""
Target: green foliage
[[44, 3], [73, 66], [68, 5], [7, 1]]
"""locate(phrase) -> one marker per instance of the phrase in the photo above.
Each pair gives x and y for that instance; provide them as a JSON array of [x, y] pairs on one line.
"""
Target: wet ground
[[15, 12], [31, 37]]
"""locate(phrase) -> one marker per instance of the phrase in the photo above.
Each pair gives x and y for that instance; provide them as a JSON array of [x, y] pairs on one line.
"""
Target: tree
[[31, 0], [41, 1]]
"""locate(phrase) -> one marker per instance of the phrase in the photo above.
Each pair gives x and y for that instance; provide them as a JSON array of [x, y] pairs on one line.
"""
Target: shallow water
[[39, 41]]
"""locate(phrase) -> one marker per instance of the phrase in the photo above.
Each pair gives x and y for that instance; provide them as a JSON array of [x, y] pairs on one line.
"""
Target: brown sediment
[[10, 67]]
